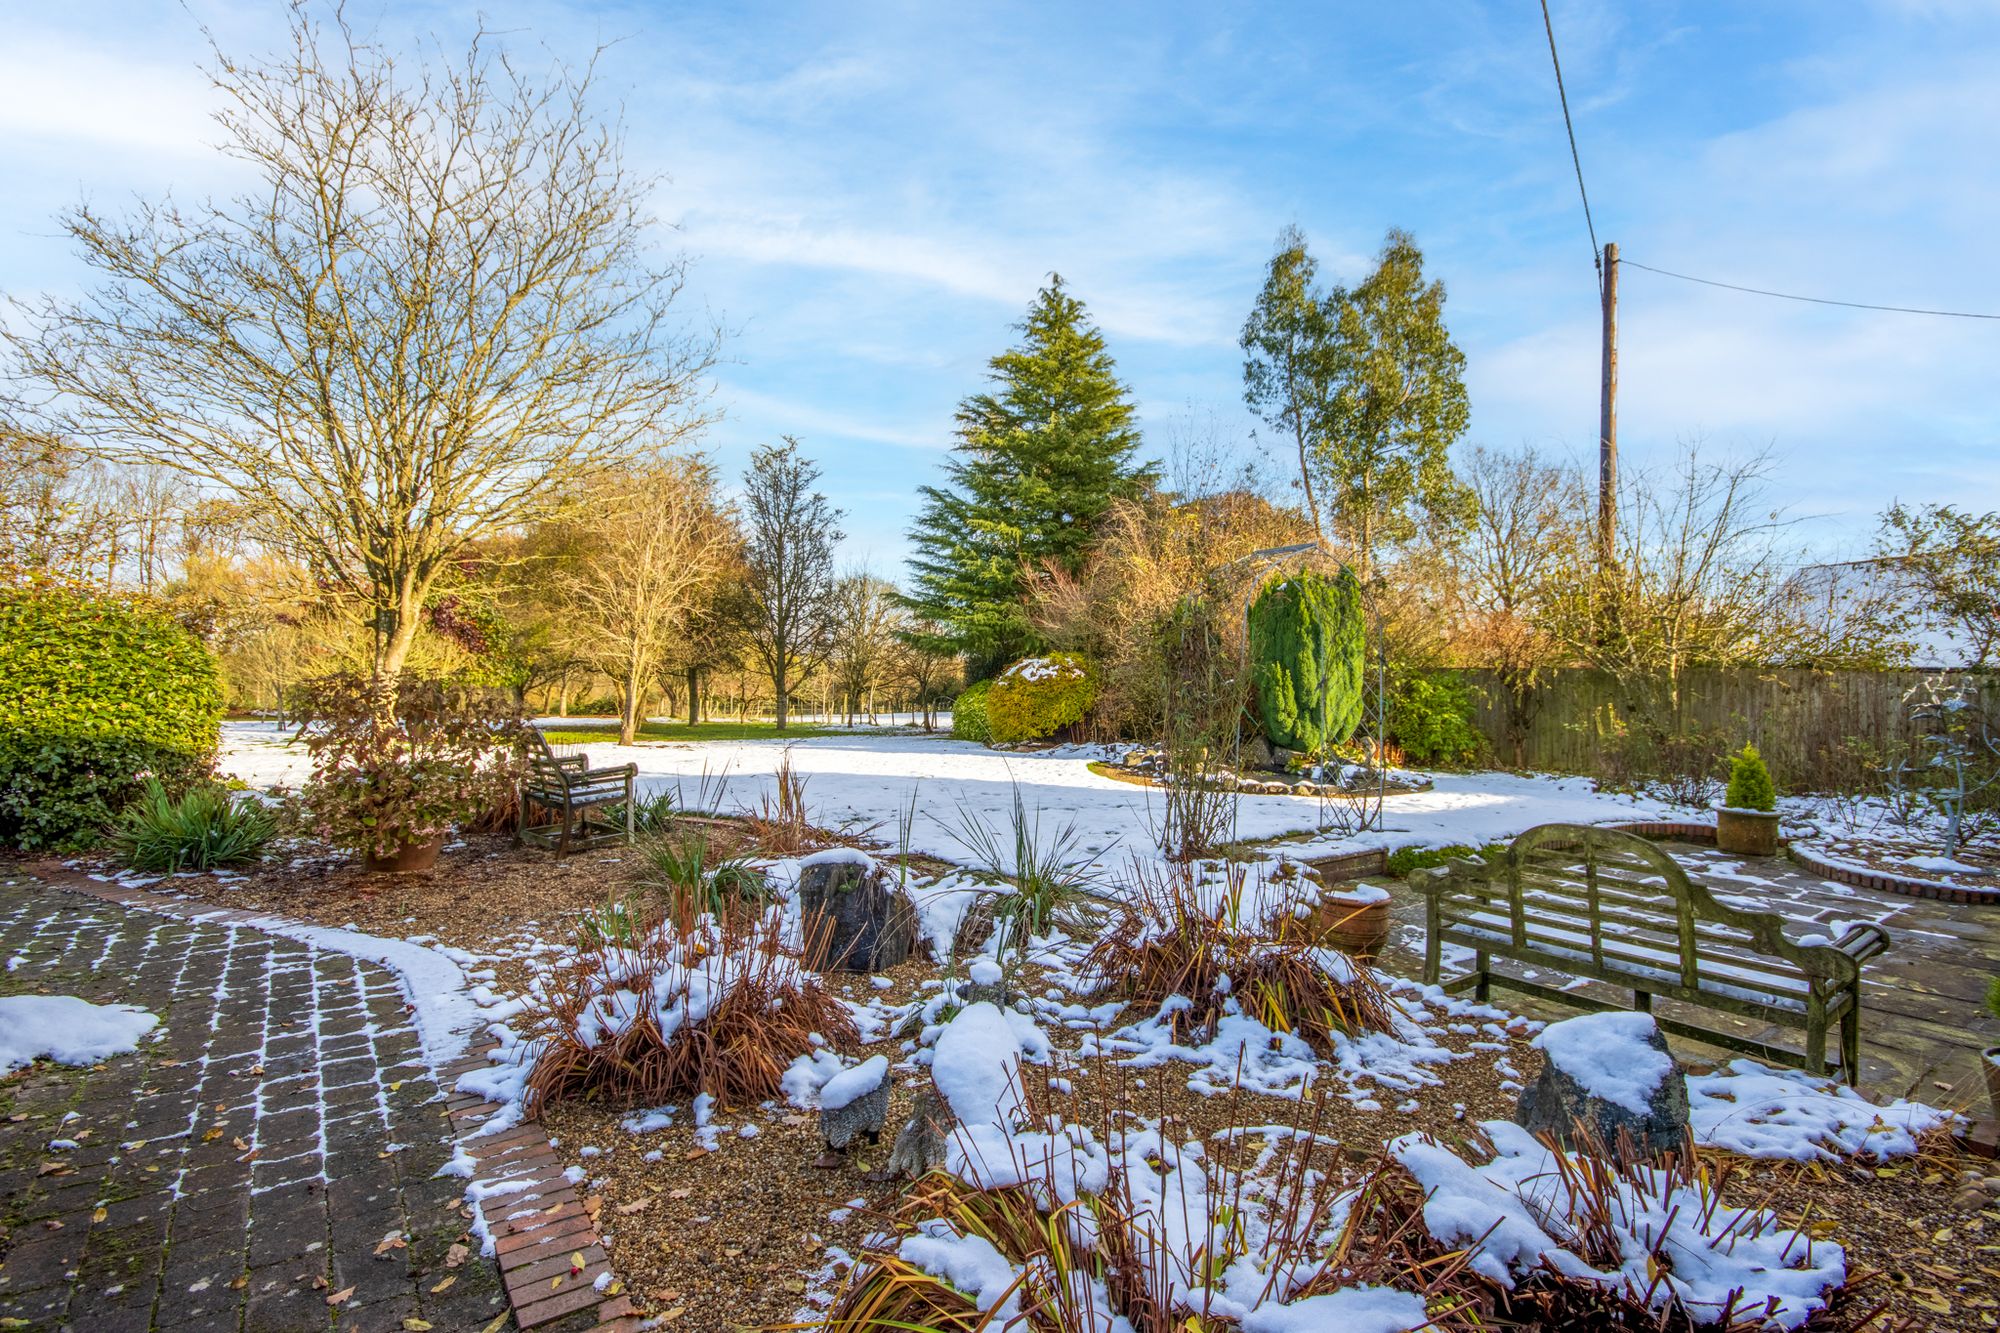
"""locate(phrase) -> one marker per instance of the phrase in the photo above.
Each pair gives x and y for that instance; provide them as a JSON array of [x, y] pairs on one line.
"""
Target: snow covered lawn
[[865, 781]]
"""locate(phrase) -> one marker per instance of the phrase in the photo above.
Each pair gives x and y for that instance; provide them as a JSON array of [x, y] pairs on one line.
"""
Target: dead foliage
[[666, 1008], [1174, 936], [779, 826]]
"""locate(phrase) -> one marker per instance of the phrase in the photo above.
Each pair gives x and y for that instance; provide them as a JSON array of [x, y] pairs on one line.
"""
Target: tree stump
[[854, 921], [854, 1103]]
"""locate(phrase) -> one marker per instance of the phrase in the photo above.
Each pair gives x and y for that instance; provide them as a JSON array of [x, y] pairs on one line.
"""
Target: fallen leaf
[[694, 1154], [340, 1296], [99, 1213], [575, 1262], [498, 1324], [238, 1144], [53, 1169], [250, 1156], [256, 1069], [211, 1136], [456, 1255], [414, 1325], [679, 1194], [17, 1117], [636, 1206], [52, 1225], [555, 1282], [393, 1241], [444, 1284], [670, 1315], [594, 1205]]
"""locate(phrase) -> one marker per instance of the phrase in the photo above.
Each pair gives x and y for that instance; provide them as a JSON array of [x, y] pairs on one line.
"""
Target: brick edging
[[1883, 880], [532, 1251], [1684, 830]]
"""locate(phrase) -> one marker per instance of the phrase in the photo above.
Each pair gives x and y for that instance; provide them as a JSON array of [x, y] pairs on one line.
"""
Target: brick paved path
[[242, 1168]]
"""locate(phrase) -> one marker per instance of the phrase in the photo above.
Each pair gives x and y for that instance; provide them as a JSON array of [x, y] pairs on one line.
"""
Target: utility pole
[[1607, 419]]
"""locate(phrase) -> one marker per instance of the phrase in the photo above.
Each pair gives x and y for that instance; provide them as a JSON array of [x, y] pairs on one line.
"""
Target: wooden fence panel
[[1799, 719]]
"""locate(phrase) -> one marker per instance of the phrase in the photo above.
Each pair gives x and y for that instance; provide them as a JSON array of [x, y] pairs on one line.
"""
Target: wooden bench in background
[[565, 786], [1596, 903]]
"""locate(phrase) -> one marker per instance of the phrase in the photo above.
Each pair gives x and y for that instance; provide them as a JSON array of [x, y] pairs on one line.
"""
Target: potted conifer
[[1746, 823]]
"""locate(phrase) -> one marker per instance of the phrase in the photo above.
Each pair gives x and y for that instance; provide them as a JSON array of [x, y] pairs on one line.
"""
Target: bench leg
[[1816, 1036], [1433, 947], [1850, 1043], [1482, 989]]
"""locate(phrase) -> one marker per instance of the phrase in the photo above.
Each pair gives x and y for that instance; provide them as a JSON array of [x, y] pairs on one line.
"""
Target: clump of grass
[[660, 1008], [1172, 935], [1049, 874], [650, 814], [204, 828], [779, 825], [681, 872]]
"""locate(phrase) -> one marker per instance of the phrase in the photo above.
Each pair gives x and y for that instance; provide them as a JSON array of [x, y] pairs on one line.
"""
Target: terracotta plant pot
[[1746, 832], [406, 859], [1357, 925], [1992, 1062]]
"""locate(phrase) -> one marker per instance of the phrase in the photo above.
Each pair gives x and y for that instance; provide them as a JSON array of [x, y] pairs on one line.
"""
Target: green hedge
[[94, 697], [1430, 717], [1308, 641], [1039, 696], [968, 713]]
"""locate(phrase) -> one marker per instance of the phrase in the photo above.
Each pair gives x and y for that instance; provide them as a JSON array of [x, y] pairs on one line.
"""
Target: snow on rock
[[984, 972], [977, 1066], [1758, 1111], [806, 1076], [840, 1091], [1609, 1056], [1515, 1211], [1349, 1310], [67, 1030]]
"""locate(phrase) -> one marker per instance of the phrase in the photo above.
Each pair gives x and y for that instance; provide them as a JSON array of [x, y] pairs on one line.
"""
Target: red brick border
[[1909, 887], [535, 1253], [1684, 830]]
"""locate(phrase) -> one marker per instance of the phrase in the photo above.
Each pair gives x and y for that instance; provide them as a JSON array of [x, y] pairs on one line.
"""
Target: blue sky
[[869, 195]]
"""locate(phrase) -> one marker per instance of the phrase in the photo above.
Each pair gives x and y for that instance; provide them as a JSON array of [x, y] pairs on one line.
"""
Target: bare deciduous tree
[[431, 313], [792, 530], [641, 571]]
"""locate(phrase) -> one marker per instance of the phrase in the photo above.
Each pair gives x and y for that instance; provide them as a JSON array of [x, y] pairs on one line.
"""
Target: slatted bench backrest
[[1625, 905]]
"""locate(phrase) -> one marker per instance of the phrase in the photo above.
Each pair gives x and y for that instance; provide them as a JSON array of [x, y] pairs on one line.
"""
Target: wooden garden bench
[[1597, 903], [566, 786]]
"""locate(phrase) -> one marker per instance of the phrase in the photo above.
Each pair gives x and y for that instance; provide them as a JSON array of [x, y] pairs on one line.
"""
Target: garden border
[[1865, 878], [522, 1153]]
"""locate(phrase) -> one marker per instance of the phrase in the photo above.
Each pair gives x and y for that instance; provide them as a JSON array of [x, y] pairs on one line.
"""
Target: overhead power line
[[1596, 250], [1813, 300]]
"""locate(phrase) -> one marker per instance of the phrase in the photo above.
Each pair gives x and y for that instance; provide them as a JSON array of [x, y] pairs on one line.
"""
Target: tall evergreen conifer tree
[[1039, 460]]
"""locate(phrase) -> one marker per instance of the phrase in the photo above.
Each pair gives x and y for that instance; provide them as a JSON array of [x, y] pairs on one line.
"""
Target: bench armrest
[[616, 771], [1863, 942]]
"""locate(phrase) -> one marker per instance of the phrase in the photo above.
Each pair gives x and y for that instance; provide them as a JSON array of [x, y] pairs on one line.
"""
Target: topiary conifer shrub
[[96, 696], [1750, 786], [1308, 644], [1039, 696], [968, 713]]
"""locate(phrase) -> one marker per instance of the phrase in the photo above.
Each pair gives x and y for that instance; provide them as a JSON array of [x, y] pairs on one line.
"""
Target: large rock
[[854, 921], [1610, 1074], [1256, 754], [854, 1103]]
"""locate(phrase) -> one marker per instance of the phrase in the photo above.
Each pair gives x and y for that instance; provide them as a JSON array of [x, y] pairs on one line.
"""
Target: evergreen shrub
[[1307, 649], [1750, 785], [96, 696], [1039, 696], [1430, 717], [968, 713], [203, 828]]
